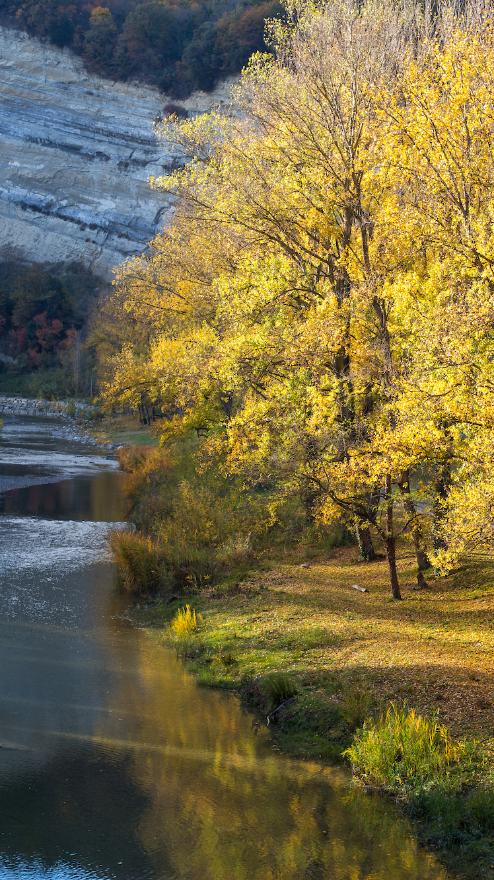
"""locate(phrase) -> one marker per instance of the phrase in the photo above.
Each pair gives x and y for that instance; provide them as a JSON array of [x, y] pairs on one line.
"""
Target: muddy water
[[113, 763]]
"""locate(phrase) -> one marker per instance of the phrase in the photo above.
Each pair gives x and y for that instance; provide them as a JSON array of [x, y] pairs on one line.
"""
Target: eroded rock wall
[[76, 152]]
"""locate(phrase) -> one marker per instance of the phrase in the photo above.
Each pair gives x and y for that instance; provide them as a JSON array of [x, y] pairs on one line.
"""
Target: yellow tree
[[439, 149], [298, 302], [295, 175]]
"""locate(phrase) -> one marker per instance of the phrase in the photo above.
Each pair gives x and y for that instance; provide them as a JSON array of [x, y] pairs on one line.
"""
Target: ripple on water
[[39, 557], [67, 463], [38, 871], [32, 544]]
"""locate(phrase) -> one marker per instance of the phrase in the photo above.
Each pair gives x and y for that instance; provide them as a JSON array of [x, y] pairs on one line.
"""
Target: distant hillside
[[177, 45], [43, 313], [76, 153]]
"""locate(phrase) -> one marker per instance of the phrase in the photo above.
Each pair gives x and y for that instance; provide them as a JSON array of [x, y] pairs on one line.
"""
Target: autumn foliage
[[176, 45], [43, 311], [320, 312]]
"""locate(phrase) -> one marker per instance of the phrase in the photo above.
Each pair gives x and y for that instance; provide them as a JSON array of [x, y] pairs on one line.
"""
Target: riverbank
[[82, 421], [59, 409], [346, 654], [74, 421], [124, 430], [44, 447], [109, 741]]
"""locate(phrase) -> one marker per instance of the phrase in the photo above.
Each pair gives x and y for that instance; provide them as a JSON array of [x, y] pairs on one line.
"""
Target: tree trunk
[[365, 543], [422, 566], [442, 483], [417, 536], [390, 541], [393, 572]]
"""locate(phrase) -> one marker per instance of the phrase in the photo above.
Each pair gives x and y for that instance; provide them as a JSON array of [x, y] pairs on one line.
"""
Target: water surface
[[114, 765]]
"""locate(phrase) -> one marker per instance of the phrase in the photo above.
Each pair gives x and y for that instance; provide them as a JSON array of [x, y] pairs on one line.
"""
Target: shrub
[[203, 535], [140, 566], [278, 687], [185, 622], [148, 484], [204, 522], [405, 752], [198, 521], [172, 109]]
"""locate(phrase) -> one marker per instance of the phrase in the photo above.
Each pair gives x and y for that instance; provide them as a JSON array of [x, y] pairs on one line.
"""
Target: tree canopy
[[321, 307], [176, 45]]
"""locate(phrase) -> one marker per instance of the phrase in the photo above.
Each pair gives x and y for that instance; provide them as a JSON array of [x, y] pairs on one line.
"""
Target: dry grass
[[434, 649], [347, 655], [124, 430]]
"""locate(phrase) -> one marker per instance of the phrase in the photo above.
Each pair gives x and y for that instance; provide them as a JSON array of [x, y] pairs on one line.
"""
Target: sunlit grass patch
[[445, 784], [185, 622], [310, 622], [404, 751], [350, 655]]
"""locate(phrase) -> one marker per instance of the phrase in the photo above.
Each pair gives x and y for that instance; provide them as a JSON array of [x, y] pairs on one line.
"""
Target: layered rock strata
[[76, 152]]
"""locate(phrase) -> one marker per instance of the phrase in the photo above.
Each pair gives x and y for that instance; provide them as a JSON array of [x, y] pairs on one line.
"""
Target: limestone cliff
[[76, 152]]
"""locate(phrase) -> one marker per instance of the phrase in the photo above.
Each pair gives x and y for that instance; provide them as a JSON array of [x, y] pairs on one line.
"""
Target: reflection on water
[[113, 763], [60, 543]]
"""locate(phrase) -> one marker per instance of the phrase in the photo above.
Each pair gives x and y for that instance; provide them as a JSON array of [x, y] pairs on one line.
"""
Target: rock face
[[76, 152]]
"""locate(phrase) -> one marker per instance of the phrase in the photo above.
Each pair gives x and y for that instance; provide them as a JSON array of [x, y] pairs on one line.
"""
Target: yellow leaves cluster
[[468, 525], [326, 289]]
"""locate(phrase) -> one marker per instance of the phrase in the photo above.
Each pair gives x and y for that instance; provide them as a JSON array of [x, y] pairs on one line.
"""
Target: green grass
[[433, 651], [279, 687], [445, 785], [407, 754], [185, 622], [125, 430], [348, 655]]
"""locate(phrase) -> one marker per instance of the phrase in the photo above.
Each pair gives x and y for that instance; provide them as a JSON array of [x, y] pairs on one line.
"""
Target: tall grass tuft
[[404, 752], [139, 563], [185, 622], [278, 687]]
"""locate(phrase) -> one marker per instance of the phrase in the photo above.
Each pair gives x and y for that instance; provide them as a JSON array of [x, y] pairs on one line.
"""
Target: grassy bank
[[318, 657], [124, 430]]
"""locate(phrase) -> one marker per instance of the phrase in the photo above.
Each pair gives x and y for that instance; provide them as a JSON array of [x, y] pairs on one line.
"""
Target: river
[[114, 764]]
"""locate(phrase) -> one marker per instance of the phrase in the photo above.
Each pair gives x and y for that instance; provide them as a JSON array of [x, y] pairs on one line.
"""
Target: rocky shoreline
[[24, 406], [71, 416]]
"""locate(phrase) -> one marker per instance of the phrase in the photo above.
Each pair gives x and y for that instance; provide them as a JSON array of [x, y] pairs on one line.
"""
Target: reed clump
[[185, 623], [405, 752], [278, 688], [139, 562]]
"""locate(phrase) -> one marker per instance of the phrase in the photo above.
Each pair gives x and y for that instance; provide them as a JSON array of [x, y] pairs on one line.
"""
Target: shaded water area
[[113, 763]]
